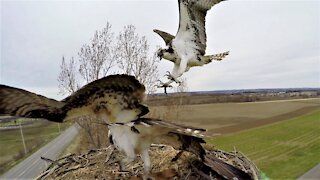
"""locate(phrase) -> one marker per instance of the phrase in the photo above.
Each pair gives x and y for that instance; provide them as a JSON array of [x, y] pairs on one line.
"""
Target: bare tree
[[67, 77], [132, 55], [96, 59]]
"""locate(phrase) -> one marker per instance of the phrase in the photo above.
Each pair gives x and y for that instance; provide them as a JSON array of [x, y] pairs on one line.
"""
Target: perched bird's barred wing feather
[[178, 136], [21, 103], [170, 126], [109, 84], [224, 169], [165, 36], [192, 15], [187, 139]]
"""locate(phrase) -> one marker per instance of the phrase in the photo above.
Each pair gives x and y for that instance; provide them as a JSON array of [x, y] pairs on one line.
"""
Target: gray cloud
[[272, 43]]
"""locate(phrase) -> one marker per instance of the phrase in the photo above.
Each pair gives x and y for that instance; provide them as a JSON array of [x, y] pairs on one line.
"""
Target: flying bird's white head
[[167, 53]]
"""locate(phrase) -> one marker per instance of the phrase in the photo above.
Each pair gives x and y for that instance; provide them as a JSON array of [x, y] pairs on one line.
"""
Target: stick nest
[[104, 164]]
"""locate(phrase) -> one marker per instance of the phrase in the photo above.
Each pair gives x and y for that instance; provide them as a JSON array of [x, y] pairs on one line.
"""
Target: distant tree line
[[128, 53]]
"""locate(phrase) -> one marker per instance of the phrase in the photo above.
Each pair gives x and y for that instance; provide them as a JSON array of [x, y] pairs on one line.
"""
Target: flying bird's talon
[[168, 74]]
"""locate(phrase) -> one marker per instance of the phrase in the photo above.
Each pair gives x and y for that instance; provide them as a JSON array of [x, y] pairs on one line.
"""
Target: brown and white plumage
[[187, 48], [141, 133], [135, 137], [115, 98], [118, 100]]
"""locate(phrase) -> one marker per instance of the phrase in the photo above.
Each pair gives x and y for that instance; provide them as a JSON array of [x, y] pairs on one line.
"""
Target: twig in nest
[[46, 173], [50, 161], [65, 157], [70, 169], [109, 153]]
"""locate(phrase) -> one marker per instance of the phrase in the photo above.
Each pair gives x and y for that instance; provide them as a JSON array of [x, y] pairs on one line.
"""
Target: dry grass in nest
[[104, 164]]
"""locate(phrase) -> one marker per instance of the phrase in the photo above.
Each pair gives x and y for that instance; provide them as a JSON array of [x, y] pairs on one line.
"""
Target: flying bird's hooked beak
[[160, 54]]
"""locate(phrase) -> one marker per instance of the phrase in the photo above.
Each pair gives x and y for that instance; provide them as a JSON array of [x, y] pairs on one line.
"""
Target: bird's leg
[[146, 161], [112, 148], [131, 156], [124, 163], [177, 71]]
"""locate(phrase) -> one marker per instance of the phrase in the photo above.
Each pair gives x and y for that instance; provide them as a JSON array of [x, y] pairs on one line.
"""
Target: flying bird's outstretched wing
[[18, 102], [114, 98], [165, 36], [187, 49], [192, 15]]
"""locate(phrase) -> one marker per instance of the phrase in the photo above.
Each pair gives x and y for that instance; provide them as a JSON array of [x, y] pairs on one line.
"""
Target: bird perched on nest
[[117, 99], [187, 48], [135, 137]]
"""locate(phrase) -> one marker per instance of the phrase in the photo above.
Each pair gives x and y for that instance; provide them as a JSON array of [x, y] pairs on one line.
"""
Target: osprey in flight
[[187, 48], [117, 99]]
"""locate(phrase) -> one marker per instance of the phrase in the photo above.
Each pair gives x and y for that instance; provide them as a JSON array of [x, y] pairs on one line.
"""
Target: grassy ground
[[283, 150], [12, 152], [23, 121], [231, 117]]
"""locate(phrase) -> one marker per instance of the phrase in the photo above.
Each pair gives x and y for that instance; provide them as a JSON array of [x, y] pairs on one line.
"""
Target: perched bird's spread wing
[[192, 15], [165, 36], [18, 102], [114, 98], [185, 138]]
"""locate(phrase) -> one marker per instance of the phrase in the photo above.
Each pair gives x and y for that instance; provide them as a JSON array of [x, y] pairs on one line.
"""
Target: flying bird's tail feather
[[216, 57], [21, 103]]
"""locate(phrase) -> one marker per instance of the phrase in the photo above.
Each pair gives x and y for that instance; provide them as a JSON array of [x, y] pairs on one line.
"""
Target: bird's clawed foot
[[125, 164], [170, 77]]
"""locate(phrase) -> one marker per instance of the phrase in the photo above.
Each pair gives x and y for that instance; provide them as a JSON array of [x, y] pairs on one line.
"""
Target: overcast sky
[[272, 44]]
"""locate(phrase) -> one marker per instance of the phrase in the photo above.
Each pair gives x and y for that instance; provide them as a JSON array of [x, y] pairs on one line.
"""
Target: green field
[[40, 133], [283, 150]]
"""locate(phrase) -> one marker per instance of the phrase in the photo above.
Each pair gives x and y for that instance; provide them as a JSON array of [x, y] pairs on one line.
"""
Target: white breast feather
[[123, 138]]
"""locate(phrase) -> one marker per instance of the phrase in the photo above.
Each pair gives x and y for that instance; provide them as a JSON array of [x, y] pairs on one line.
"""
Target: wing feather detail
[[104, 86], [192, 15], [165, 36], [22, 103], [111, 95]]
